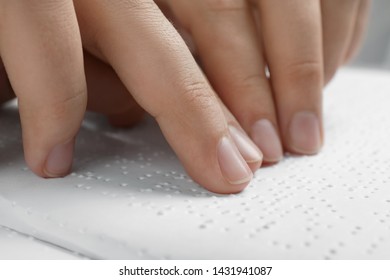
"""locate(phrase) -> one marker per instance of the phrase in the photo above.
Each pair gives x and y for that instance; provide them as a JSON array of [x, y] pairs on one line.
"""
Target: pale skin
[[222, 123]]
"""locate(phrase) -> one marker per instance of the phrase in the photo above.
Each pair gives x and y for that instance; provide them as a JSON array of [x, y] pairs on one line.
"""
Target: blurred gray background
[[375, 51]]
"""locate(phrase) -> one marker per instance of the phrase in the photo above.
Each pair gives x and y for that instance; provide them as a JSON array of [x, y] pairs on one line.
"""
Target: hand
[[301, 42], [106, 93], [41, 48]]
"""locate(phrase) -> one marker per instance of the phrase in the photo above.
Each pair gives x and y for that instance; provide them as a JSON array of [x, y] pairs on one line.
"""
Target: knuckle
[[194, 100], [249, 83], [304, 71], [195, 108], [197, 94], [253, 81], [71, 104]]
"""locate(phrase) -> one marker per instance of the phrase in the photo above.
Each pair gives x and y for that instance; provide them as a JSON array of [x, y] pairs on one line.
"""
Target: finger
[[293, 45], [108, 95], [225, 36], [360, 26], [158, 69], [248, 150], [168, 13], [338, 23], [41, 50]]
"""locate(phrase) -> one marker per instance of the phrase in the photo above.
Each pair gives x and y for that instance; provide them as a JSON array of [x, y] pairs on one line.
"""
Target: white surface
[[15, 246], [129, 197]]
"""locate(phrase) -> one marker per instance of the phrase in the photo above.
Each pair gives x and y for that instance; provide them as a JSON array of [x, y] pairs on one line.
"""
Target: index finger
[[158, 69]]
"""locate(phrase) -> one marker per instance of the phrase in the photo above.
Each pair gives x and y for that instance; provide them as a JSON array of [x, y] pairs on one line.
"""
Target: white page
[[129, 197]]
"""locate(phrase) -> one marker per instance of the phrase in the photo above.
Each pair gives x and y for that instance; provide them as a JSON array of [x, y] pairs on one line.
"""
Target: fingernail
[[305, 135], [59, 161], [233, 166], [266, 138], [245, 146]]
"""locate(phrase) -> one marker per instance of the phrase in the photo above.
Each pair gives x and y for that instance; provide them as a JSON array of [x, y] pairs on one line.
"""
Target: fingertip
[[59, 160], [233, 166], [57, 163], [228, 187], [305, 133], [232, 173], [248, 150], [267, 139], [254, 166]]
